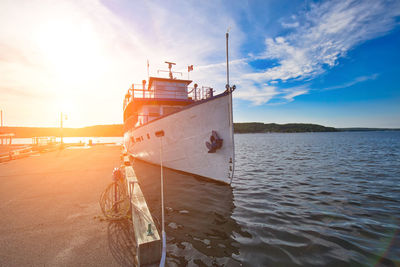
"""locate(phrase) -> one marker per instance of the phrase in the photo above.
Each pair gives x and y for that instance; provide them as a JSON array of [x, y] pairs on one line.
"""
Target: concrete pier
[[48, 205]]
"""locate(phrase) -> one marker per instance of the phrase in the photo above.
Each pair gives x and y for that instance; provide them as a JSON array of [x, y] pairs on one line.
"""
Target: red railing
[[192, 93]]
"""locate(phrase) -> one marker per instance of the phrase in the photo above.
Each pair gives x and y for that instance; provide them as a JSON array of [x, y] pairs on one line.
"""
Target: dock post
[[147, 238]]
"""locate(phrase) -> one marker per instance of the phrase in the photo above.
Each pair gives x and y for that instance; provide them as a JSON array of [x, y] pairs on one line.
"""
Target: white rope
[[164, 245]]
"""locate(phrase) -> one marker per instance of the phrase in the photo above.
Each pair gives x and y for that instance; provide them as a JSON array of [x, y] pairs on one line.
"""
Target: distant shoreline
[[258, 127], [116, 130], [358, 129]]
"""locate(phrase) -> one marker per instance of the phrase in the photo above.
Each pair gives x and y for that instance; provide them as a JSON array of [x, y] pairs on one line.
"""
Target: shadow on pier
[[121, 242]]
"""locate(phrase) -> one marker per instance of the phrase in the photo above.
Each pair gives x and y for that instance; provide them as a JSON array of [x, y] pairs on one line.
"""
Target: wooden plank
[[148, 244]]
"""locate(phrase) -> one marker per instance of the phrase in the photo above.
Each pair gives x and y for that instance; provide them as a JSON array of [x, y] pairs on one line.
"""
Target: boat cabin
[[162, 96]]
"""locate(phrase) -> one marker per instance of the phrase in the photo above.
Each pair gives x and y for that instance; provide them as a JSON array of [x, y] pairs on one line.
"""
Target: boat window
[[148, 136], [154, 112], [137, 139], [169, 110], [141, 138]]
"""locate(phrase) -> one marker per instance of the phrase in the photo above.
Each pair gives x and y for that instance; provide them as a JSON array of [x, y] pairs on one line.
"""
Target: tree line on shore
[[258, 127], [117, 129]]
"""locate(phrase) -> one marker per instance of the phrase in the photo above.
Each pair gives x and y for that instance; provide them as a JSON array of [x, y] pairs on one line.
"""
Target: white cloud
[[257, 96], [290, 25], [329, 31], [293, 92], [320, 37], [351, 83]]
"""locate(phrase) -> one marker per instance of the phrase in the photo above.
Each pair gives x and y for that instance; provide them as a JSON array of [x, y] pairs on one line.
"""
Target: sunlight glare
[[69, 109], [72, 50]]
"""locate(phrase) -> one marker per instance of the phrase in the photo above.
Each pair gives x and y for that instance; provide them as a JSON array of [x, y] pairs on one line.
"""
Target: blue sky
[[333, 63]]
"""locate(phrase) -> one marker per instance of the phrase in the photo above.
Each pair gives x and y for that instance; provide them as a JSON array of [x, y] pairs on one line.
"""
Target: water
[[318, 198], [296, 199]]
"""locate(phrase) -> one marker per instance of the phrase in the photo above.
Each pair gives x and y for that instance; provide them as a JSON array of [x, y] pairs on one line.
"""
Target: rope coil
[[114, 201]]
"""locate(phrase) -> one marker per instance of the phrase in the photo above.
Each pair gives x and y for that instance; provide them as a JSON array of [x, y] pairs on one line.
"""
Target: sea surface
[[311, 199]]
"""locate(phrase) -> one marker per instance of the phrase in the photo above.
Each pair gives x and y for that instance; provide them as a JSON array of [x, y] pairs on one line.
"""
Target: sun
[[72, 51], [73, 57]]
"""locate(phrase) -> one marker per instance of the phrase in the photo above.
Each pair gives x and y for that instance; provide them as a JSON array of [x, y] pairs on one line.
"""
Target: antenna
[[170, 64], [229, 89], [170, 68]]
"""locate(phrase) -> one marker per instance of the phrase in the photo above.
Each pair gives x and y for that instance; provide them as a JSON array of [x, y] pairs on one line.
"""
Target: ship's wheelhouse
[[160, 98]]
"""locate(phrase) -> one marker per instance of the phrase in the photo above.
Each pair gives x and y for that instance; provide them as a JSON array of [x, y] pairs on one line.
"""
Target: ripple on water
[[296, 199], [337, 192]]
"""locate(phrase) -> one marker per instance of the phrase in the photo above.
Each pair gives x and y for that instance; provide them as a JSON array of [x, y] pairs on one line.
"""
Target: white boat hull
[[185, 135]]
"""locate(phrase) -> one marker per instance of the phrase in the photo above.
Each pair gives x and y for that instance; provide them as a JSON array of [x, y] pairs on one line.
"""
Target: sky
[[334, 63]]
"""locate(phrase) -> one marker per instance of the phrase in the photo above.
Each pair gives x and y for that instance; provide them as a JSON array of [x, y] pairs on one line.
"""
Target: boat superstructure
[[197, 126]]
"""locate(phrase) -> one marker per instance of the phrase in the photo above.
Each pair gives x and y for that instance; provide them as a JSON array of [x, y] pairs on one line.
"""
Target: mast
[[230, 89], [170, 69], [227, 60]]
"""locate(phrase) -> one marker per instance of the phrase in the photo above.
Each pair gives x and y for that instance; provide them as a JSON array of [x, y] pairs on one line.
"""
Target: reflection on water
[[311, 199], [199, 226]]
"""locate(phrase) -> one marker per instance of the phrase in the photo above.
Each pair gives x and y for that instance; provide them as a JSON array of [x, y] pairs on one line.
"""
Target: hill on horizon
[[116, 130], [259, 127]]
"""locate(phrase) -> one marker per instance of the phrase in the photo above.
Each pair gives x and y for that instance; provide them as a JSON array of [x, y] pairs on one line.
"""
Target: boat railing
[[200, 93], [192, 93]]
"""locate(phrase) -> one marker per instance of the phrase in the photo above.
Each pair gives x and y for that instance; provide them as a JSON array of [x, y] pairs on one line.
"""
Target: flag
[[190, 68]]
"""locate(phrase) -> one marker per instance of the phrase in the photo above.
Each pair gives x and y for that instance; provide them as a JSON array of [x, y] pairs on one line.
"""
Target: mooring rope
[[119, 210], [114, 201]]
